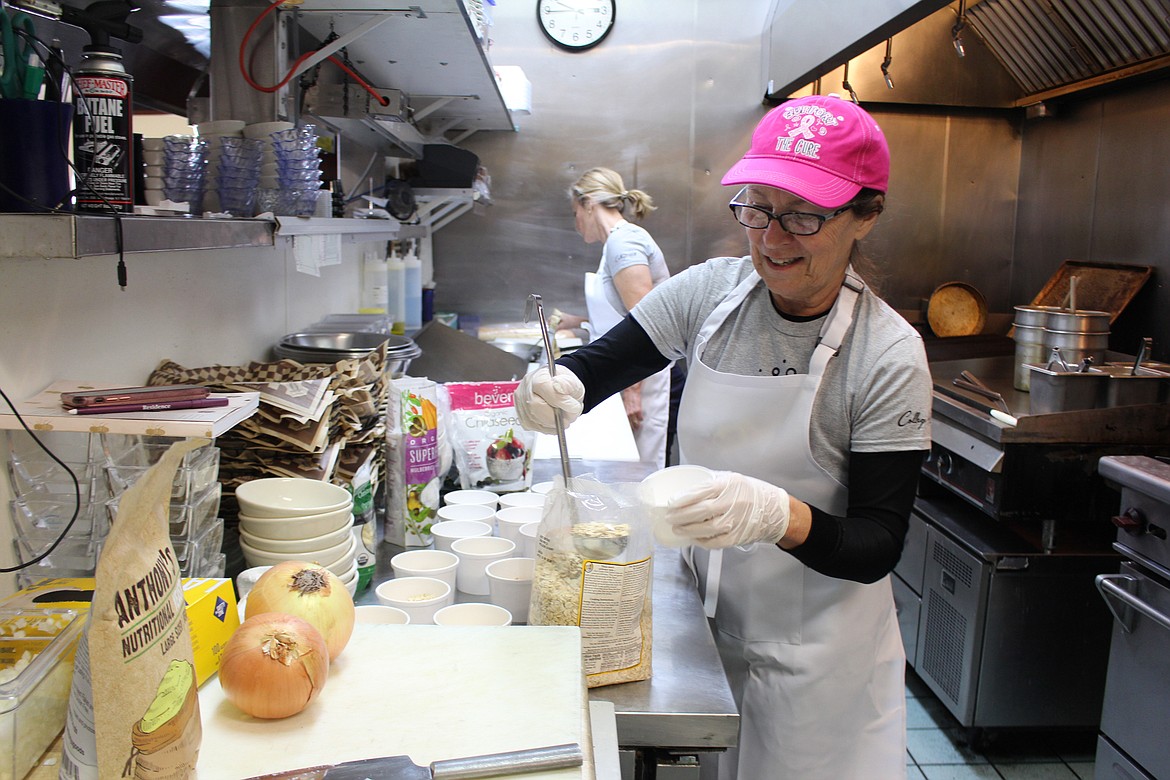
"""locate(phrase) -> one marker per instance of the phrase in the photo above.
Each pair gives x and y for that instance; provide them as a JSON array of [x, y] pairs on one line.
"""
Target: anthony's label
[[102, 143]]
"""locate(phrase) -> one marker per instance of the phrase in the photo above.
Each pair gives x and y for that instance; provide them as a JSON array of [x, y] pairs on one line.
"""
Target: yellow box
[[212, 614]]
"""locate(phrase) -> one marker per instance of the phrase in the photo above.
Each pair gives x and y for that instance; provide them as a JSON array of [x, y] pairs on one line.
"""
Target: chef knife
[[402, 768]]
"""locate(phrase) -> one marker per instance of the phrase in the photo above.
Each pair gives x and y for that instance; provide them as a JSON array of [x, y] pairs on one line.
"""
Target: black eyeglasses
[[798, 223]]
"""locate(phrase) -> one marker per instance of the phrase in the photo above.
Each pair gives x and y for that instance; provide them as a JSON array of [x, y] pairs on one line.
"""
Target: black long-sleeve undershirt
[[862, 546]]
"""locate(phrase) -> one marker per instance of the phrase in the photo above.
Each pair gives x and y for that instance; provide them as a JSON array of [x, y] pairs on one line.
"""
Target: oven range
[[1134, 733], [995, 589]]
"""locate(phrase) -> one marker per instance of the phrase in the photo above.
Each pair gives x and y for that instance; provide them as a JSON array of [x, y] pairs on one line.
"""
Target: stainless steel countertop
[[686, 704]]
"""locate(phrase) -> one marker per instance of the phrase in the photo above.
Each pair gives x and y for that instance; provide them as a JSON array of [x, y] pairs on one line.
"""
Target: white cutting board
[[428, 692]]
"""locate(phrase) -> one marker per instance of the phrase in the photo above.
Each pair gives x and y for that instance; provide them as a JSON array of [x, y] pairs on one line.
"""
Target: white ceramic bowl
[[482, 497], [419, 597], [290, 497], [380, 614], [522, 499], [345, 567], [439, 564], [303, 527], [153, 144], [473, 614], [447, 531], [324, 557], [265, 129], [309, 544], [221, 127]]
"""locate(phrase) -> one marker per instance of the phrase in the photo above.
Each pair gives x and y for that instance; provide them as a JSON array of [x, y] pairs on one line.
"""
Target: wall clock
[[576, 25]]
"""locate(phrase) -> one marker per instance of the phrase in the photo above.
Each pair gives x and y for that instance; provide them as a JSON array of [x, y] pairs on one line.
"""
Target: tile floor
[[937, 747]]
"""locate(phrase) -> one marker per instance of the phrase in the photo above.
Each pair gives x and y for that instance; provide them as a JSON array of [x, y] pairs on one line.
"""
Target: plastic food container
[[36, 670]]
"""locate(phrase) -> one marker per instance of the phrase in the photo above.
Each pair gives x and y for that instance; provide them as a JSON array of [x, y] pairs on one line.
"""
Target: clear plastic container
[[187, 518], [36, 669], [200, 467]]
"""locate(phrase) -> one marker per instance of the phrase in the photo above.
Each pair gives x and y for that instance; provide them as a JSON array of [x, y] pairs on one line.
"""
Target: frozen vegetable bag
[[594, 570], [145, 704]]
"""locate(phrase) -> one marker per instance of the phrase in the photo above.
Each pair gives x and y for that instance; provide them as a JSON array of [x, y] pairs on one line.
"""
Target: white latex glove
[[732, 510], [539, 394]]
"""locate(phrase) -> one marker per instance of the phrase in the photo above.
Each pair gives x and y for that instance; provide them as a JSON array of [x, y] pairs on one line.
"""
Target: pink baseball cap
[[821, 148]]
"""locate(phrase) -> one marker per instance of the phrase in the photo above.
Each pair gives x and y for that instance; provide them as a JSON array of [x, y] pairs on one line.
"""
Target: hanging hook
[[957, 30], [846, 86], [886, 63]]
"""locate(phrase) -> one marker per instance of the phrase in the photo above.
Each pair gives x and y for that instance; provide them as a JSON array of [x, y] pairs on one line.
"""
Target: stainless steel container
[[1066, 391], [1030, 348], [1075, 346], [1033, 316], [1127, 388], [1080, 320]]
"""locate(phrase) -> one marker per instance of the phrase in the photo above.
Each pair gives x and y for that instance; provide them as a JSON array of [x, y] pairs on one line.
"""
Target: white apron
[[650, 437], [816, 664]]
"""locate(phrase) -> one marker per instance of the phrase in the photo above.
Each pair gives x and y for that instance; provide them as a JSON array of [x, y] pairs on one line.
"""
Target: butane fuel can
[[103, 135]]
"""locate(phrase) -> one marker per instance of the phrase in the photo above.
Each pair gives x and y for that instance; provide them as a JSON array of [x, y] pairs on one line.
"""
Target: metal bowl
[[353, 342]]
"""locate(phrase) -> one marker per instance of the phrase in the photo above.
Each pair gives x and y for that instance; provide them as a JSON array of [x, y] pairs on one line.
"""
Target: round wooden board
[[956, 309]]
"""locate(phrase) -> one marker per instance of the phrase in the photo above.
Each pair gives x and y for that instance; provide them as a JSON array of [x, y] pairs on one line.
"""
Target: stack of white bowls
[[292, 519]]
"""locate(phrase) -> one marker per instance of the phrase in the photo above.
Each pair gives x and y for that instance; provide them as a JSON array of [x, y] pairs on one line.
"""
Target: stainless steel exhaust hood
[[989, 53], [1054, 46]]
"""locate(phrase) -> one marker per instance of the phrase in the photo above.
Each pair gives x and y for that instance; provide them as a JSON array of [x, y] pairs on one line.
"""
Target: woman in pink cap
[[811, 398]]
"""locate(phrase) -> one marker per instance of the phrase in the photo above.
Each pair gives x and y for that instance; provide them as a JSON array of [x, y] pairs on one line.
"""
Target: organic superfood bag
[[594, 570]]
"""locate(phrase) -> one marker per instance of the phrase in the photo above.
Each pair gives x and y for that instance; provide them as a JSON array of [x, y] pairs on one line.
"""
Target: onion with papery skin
[[310, 592], [274, 665]]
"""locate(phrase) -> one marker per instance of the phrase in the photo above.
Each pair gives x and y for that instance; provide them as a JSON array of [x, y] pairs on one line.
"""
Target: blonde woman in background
[[631, 265]]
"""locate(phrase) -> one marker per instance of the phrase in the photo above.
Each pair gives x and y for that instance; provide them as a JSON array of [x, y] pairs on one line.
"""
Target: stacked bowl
[[294, 519], [184, 164]]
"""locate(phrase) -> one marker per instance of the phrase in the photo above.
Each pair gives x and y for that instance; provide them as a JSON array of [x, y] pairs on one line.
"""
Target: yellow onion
[[273, 665], [310, 592]]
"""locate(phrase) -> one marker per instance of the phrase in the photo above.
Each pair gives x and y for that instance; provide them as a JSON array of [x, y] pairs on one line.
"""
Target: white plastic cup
[[657, 489], [475, 553], [473, 614], [478, 497], [484, 514], [510, 585], [528, 534], [526, 498], [510, 519], [380, 614], [419, 597], [543, 488], [445, 532], [440, 564]]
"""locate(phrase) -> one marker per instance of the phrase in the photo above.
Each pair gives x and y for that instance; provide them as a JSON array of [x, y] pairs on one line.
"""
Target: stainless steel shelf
[[75, 236], [72, 236]]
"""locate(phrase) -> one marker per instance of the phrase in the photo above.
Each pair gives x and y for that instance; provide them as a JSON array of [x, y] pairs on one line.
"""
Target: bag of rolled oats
[[594, 570]]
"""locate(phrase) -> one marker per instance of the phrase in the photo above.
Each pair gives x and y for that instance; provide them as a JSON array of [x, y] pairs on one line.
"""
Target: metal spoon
[[591, 540], [534, 301]]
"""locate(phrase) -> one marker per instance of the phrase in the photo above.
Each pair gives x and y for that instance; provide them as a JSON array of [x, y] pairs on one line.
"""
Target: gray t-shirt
[[629, 245], [876, 393]]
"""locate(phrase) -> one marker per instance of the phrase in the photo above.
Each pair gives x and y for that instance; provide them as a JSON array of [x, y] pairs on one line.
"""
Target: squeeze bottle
[[413, 291]]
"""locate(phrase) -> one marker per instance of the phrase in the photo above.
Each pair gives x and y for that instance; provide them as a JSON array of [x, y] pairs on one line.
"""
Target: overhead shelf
[[427, 49]]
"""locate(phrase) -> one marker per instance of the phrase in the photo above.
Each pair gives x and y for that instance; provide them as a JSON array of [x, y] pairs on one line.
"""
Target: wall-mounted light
[[886, 63], [957, 30]]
